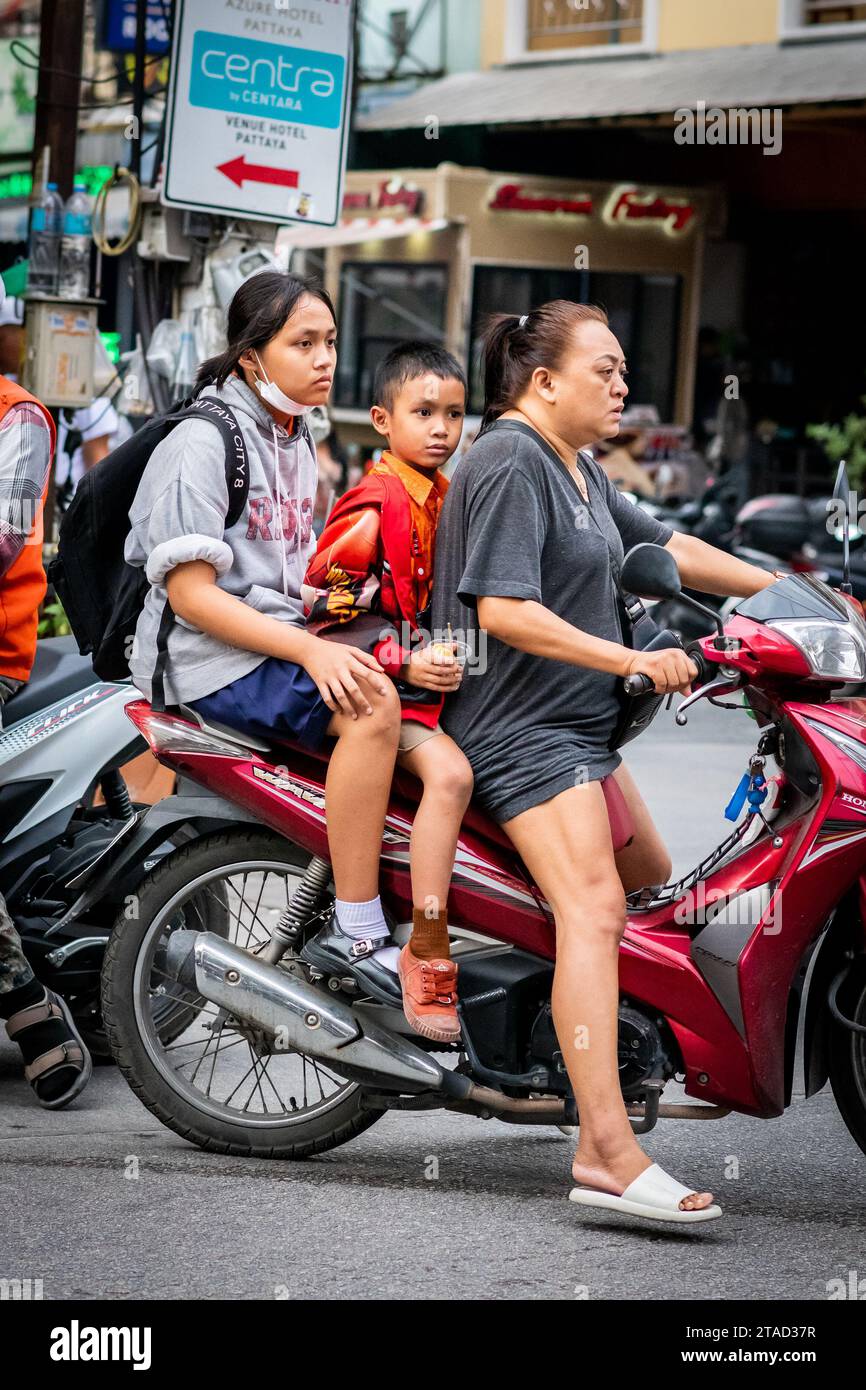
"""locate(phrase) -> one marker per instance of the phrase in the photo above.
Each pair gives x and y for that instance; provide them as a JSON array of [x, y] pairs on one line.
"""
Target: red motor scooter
[[239, 1046]]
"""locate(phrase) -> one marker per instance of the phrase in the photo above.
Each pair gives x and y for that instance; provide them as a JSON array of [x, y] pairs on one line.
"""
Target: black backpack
[[101, 594]]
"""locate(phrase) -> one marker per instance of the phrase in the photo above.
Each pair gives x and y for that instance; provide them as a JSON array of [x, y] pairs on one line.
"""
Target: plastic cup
[[443, 650]]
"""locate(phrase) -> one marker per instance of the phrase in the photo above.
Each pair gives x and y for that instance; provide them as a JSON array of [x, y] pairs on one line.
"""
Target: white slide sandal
[[654, 1194]]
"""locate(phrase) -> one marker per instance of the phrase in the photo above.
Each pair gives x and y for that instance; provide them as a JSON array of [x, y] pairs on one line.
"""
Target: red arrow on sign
[[238, 170]]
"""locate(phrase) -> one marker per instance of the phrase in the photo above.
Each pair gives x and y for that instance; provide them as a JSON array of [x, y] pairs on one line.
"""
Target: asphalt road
[[487, 1220]]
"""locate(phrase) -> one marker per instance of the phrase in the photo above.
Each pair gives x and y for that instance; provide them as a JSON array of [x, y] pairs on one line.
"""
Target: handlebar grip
[[638, 685], [705, 672], [641, 685]]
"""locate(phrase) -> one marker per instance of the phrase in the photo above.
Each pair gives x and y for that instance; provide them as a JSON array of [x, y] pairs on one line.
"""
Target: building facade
[[755, 110]]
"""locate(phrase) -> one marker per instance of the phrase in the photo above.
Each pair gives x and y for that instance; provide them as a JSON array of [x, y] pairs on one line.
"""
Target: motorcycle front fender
[[122, 863]]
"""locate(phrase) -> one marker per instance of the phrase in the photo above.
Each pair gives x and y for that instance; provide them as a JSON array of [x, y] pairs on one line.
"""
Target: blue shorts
[[277, 698]]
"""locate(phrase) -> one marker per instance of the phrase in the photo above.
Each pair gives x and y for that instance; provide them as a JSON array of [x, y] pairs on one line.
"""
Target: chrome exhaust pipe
[[304, 1018]]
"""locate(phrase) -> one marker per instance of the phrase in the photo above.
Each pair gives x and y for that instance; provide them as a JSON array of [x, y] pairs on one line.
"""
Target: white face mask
[[270, 392]]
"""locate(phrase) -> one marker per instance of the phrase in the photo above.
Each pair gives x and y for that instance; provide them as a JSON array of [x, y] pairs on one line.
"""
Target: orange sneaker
[[430, 996]]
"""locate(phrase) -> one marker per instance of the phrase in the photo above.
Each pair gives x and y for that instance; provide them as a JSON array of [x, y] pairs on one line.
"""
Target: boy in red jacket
[[374, 563]]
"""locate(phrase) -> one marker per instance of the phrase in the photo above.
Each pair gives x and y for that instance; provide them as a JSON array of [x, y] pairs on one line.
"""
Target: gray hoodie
[[179, 515]]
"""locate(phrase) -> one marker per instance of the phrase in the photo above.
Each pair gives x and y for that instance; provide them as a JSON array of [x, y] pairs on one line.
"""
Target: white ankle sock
[[363, 921]]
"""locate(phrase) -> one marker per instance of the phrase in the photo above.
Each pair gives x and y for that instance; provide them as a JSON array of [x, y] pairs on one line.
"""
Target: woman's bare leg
[[565, 843], [356, 792]]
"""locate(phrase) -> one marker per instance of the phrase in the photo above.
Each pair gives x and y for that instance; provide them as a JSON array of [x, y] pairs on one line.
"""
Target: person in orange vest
[[56, 1062]]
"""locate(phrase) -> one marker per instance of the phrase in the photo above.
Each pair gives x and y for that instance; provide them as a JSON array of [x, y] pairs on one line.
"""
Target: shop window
[[583, 23], [831, 12], [382, 304], [812, 19], [644, 313]]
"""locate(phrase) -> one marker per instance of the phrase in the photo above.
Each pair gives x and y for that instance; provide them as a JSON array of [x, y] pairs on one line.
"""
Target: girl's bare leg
[[356, 792]]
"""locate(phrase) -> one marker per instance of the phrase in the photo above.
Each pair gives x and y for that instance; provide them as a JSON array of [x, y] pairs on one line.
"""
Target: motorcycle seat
[[225, 731], [58, 672], [407, 785]]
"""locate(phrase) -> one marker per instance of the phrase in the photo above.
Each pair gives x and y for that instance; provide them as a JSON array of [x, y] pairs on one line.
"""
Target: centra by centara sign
[[626, 205], [282, 85]]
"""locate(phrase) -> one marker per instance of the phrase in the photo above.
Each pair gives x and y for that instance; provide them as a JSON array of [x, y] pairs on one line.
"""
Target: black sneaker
[[335, 953]]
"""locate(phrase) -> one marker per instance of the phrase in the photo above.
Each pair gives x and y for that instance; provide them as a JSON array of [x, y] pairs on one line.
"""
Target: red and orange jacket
[[375, 558]]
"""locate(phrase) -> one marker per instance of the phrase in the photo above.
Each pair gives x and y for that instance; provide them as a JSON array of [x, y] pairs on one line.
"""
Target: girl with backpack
[[222, 627]]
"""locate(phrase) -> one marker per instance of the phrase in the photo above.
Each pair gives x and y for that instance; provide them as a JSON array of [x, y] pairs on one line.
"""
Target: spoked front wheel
[[212, 1079]]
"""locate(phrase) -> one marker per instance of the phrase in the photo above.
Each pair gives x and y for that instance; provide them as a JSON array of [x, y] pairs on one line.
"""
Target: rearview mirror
[[842, 487], [650, 571], [841, 494]]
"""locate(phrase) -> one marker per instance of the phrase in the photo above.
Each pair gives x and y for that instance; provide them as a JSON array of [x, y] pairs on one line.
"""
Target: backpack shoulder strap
[[237, 482], [237, 467]]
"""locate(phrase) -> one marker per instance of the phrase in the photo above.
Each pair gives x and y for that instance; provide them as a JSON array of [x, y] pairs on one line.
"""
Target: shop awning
[[763, 75], [352, 230]]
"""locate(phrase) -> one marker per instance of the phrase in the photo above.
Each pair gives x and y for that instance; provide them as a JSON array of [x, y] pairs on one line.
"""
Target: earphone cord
[[279, 502], [298, 488]]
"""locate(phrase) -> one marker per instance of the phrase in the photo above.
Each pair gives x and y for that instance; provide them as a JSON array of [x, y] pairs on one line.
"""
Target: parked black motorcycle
[[65, 737]]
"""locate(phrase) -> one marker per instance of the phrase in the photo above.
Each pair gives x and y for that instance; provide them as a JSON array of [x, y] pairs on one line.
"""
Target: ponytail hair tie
[[523, 321]]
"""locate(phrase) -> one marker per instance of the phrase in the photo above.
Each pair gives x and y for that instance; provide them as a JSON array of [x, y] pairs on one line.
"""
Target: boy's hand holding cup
[[435, 667]]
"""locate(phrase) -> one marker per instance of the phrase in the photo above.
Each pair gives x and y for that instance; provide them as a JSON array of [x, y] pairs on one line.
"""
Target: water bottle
[[46, 226], [74, 282]]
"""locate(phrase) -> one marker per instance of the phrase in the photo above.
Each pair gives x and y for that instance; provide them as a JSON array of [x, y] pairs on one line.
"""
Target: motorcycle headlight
[[835, 651]]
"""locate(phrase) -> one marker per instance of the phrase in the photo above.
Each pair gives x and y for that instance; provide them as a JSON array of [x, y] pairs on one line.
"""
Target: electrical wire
[[56, 72], [78, 77], [100, 213], [65, 72]]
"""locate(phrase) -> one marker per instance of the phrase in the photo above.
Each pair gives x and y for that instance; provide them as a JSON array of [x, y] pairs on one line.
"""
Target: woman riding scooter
[[530, 543]]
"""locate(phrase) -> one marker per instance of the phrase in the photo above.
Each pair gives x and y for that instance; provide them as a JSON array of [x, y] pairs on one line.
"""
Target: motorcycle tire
[[847, 1056], [203, 861]]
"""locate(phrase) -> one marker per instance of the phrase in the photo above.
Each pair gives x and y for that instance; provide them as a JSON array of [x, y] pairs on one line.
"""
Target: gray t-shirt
[[514, 524], [179, 514]]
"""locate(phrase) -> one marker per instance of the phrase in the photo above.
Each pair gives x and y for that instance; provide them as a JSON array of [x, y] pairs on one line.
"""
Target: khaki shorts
[[412, 734]]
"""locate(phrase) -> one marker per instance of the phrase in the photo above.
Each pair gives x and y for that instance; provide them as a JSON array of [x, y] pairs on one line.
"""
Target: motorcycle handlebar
[[640, 685], [637, 685]]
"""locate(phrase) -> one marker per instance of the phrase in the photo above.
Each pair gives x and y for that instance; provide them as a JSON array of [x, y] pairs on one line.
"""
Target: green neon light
[[112, 345], [19, 184], [15, 185]]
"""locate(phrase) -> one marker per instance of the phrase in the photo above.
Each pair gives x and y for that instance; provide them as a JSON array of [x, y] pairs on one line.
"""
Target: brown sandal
[[69, 1053]]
